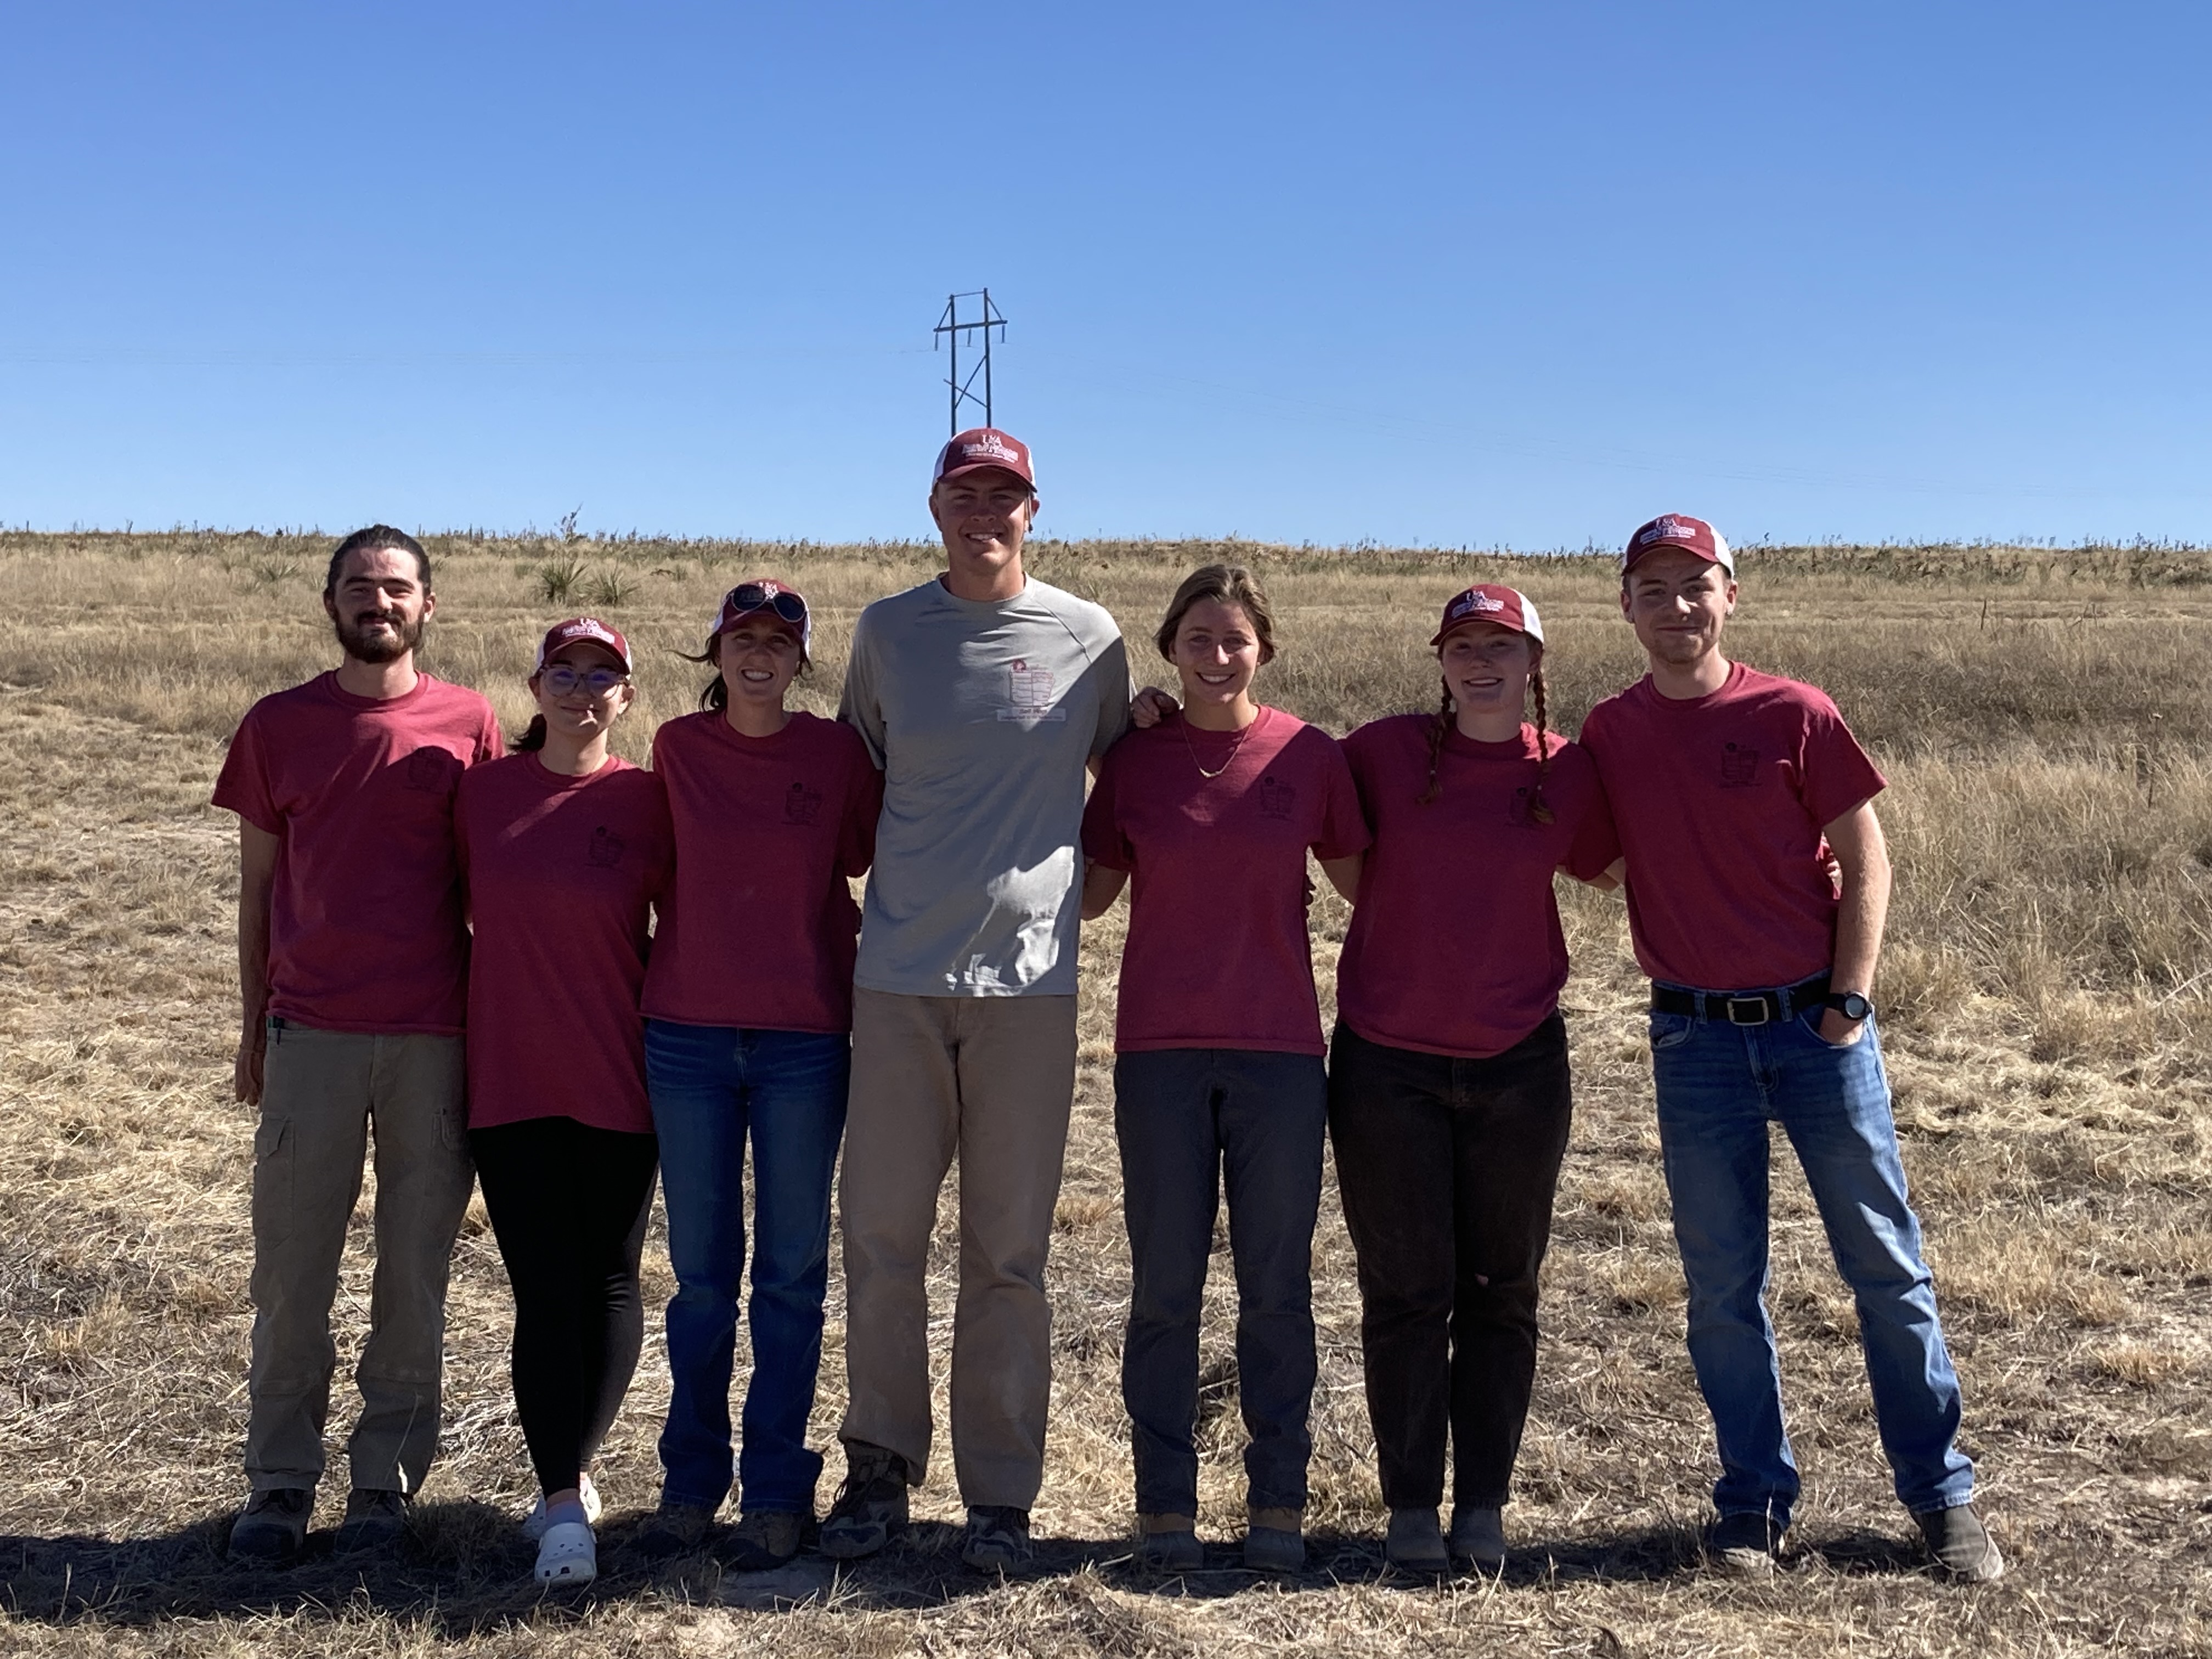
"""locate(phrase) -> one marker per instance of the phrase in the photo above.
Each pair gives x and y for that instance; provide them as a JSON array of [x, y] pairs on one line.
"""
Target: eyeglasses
[[755, 596], [563, 681]]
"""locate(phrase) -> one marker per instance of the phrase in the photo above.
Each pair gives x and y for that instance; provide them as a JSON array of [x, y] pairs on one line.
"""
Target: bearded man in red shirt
[[353, 965]]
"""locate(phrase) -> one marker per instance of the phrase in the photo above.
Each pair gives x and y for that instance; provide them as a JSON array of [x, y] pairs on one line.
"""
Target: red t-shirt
[[759, 930], [1455, 946], [1720, 801], [1217, 955], [365, 927], [561, 874]]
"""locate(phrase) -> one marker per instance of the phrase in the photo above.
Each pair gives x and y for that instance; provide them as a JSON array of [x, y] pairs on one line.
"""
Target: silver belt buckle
[[1756, 1003]]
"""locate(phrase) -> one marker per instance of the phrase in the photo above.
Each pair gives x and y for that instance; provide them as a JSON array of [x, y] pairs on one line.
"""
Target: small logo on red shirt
[[607, 848], [431, 769], [1276, 798], [800, 804], [1739, 766]]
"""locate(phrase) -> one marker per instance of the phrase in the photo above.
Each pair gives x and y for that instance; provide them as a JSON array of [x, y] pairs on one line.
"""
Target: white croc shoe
[[533, 1525], [567, 1556]]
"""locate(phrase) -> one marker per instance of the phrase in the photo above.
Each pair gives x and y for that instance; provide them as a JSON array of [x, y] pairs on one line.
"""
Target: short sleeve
[[1103, 840], [1837, 774], [491, 743], [1597, 843], [1344, 827], [242, 787], [860, 704], [1116, 690], [864, 808]]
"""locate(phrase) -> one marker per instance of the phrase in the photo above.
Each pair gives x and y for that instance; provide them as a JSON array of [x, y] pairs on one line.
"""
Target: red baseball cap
[[781, 600], [587, 628], [1678, 530], [982, 446], [1488, 602]]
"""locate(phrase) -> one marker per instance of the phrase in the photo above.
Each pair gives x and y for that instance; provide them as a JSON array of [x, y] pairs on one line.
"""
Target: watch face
[[1855, 1006]]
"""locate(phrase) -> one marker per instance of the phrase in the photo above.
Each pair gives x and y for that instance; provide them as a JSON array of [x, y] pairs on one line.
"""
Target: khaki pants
[[321, 1091], [990, 1079]]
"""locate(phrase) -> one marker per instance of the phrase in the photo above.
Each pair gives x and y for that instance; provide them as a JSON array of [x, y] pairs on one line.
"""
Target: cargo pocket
[[272, 1179]]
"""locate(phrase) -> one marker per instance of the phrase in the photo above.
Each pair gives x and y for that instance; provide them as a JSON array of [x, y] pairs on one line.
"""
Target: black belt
[[1742, 1008]]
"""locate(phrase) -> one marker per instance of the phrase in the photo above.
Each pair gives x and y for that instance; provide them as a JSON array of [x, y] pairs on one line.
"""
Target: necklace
[[1235, 748]]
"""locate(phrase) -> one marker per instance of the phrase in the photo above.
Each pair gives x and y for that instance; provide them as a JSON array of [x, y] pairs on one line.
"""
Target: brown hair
[[715, 694], [1440, 728], [1231, 584], [375, 538]]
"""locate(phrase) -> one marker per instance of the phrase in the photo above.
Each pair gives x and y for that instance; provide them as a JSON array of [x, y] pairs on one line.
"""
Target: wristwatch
[[1849, 1004]]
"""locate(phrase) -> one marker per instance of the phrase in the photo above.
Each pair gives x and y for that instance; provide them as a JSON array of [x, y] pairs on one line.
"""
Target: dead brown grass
[[2047, 994]]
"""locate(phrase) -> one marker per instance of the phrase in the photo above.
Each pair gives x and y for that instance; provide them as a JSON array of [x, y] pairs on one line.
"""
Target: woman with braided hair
[[1448, 1099]]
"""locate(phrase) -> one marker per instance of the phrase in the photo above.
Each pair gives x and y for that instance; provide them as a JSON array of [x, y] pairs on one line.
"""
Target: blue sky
[[1456, 274]]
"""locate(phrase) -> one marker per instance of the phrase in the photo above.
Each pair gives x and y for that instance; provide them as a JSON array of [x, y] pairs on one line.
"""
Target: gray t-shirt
[[983, 715]]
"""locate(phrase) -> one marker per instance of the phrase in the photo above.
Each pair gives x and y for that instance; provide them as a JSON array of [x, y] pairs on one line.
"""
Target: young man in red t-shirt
[[1757, 885], [353, 963]]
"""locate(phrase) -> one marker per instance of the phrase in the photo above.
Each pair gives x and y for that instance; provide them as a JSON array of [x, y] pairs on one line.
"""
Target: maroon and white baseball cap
[[1488, 602], [982, 446], [763, 594], [590, 629], [1678, 530]]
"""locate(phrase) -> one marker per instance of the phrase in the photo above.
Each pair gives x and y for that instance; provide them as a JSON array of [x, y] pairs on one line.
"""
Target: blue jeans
[[1191, 1121], [1719, 1086], [713, 1085]]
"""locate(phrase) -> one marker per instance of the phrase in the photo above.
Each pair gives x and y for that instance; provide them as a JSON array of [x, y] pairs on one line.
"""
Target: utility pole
[[957, 327]]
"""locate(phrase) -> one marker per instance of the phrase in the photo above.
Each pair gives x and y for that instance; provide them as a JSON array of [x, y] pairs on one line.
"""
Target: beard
[[363, 646]]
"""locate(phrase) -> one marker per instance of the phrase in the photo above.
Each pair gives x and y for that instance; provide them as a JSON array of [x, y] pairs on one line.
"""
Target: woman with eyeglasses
[[749, 1012], [563, 847]]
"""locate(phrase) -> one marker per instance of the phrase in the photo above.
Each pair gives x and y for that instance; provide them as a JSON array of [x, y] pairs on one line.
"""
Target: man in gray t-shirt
[[983, 694]]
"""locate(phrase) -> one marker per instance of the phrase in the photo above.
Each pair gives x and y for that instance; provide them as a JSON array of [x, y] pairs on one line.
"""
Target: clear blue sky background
[[1448, 273]]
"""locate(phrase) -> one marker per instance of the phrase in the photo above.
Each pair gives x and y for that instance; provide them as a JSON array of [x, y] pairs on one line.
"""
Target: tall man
[[983, 694], [352, 960], [1757, 883]]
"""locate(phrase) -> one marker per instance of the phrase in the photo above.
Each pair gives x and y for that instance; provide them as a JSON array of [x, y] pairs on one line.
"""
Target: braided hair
[[1440, 728]]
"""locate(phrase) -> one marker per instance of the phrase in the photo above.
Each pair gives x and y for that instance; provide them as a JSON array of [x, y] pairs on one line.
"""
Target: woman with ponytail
[[1218, 1086], [1448, 1098], [563, 847], [749, 1009]]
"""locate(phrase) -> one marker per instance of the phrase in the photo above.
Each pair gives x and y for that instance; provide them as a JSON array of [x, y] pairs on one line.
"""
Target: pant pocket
[[273, 1148], [1670, 1030]]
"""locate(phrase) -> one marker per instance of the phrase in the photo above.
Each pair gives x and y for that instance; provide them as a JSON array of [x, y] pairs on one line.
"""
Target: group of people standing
[[560, 973]]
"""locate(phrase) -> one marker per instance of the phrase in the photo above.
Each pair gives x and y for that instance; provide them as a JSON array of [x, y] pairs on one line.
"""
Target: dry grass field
[[2044, 716]]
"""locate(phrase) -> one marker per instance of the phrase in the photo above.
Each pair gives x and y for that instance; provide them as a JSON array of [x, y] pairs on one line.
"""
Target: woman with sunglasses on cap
[[749, 1010], [1448, 1099], [562, 848], [1218, 1080]]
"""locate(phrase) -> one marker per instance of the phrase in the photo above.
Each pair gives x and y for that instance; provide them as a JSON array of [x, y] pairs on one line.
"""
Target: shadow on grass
[[466, 1569]]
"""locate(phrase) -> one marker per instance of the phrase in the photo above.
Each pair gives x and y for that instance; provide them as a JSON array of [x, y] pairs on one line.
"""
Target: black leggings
[[1447, 1169], [568, 1205]]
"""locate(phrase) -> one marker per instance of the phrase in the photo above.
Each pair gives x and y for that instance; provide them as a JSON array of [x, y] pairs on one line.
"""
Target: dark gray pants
[[1192, 1123]]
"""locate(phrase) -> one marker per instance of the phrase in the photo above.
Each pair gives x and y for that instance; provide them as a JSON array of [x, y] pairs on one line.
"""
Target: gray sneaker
[[1959, 1542], [375, 1519], [1745, 1544], [998, 1537], [272, 1526], [871, 1505], [1415, 1543], [1478, 1538]]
